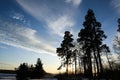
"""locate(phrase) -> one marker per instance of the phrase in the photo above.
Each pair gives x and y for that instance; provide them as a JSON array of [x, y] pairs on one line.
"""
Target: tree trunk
[[75, 65], [108, 61], [89, 65], [67, 67], [100, 62], [96, 62]]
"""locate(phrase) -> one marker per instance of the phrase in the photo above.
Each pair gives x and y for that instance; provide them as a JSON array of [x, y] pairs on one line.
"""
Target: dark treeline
[[25, 71], [84, 57], [8, 71]]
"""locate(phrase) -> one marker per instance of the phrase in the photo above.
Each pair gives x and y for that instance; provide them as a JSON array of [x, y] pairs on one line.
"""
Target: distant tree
[[116, 62], [22, 72], [38, 70], [116, 44], [91, 37], [106, 50], [31, 71]]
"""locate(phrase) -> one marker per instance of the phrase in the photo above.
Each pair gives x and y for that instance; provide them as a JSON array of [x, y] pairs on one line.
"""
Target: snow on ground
[[29, 79]]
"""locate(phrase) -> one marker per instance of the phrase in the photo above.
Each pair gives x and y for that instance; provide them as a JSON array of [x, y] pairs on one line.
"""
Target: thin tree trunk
[[96, 62], [108, 61], [95, 72], [75, 65], [90, 65], [67, 67], [100, 62], [85, 65]]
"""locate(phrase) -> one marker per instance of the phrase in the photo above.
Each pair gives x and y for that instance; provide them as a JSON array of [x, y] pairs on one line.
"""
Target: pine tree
[[91, 37], [22, 72], [38, 70], [64, 51]]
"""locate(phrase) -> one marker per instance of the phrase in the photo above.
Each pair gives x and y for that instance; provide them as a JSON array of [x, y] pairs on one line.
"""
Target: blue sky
[[31, 29]]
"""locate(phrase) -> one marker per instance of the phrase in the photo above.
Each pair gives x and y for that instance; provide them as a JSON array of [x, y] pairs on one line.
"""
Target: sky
[[31, 29]]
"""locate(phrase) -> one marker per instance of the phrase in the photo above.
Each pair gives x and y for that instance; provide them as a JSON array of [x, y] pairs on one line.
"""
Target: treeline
[[25, 71], [8, 71], [88, 55]]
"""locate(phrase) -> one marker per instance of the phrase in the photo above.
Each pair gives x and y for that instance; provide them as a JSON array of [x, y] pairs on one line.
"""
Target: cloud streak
[[116, 4], [22, 37], [75, 3], [60, 25], [56, 17]]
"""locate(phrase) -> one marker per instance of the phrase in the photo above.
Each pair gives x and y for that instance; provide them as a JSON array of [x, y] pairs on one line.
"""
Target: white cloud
[[55, 17], [74, 2], [17, 16], [116, 4], [19, 36], [60, 25]]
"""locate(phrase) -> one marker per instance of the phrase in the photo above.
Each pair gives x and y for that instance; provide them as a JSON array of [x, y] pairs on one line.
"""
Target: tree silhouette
[[88, 50], [116, 45], [118, 25], [116, 63], [91, 37], [106, 50], [22, 72], [38, 70], [64, 51]]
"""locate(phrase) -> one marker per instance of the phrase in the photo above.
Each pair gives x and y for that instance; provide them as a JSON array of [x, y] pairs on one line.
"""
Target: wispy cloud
[[20, 36], [60, 25], [75, 3], [116, 4], [57, 18], [17, 16]]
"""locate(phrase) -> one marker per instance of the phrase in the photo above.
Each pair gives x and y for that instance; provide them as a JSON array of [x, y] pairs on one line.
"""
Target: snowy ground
[[29, 79], [12, 77], [42, 79]]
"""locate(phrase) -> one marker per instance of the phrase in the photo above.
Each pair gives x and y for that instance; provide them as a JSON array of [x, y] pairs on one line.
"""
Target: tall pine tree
[[91, 37]]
